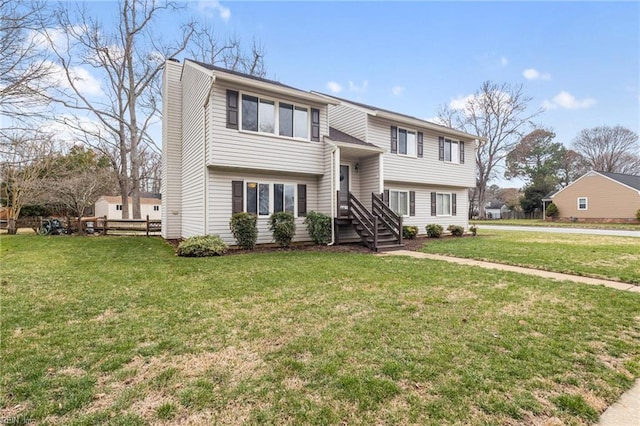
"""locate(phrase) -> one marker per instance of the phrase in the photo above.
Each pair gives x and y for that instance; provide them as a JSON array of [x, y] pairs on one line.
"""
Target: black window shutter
[[412, 203], [441, 148], [315, 124], [420, 145], [394, 140], [385, 197], [461, 152], [237, 197], [232, 109], [302, 200], [454, 207], [433, 204]]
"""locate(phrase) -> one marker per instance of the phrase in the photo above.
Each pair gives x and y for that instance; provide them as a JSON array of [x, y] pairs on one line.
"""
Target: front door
[[344, 190]]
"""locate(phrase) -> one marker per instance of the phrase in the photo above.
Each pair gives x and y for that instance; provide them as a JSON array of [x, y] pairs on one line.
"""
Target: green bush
[[283, 227], [409, 232], [202, 246], [638, 215], [456, 230], [244, 227], [318, 227], [434, 230], [474, 230], [552, 210]]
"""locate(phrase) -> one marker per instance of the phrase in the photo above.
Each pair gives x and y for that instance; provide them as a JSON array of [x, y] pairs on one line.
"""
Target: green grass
[[539, 222], [118, 330], [614, 258]]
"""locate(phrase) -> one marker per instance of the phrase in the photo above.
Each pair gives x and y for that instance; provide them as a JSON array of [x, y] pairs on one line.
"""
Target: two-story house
[[233, 142]]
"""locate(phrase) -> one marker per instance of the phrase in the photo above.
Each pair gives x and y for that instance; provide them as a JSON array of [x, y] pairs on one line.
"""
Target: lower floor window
[[443, 204], [156, 208], [399, 202], [582, 203], [265, 198], [118, 207]]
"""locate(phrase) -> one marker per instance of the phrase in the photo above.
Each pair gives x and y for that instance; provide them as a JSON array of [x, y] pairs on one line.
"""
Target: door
[[344, 189]]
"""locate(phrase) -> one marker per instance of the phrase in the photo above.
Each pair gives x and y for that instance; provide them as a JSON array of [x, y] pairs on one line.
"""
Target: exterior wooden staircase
[[380, 228]]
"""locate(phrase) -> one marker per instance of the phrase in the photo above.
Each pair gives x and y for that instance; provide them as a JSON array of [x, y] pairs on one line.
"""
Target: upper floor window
[[451, 150], [406, 142], [582, 203], [269, 116]]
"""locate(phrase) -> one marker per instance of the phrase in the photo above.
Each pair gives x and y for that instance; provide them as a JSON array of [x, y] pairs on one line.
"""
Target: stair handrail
[[390, 219], [365, 218]]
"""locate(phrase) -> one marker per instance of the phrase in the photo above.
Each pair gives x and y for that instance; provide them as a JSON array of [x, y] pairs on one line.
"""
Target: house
[[233, 142], [599, 197], [111, 206], [495, 208]]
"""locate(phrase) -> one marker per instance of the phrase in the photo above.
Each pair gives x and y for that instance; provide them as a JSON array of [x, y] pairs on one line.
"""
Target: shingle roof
[[111, 199], [630, 180], [241, 74], [339, 136]]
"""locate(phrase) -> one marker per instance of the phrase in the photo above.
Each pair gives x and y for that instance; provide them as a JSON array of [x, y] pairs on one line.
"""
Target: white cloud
[[334, 87], [210, 7], [358, 89], [460, 102], [533, 74], [568, 101], [504, 61], [84, 81], [397, 90]]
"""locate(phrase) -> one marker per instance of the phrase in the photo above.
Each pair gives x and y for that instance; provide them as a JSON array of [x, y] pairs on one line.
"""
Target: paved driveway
[[612, 232]]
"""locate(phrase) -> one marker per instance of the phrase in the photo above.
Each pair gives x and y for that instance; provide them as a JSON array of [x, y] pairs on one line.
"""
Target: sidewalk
[[625, 412]]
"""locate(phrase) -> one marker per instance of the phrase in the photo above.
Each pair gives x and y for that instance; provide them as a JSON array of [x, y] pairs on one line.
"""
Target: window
[[259, 201], [258, 198], [118, 207], [582, 203], [267, 116], [451, 151], [283, 198], [443, 204], [406, 142], [399, 202], [156, 208]]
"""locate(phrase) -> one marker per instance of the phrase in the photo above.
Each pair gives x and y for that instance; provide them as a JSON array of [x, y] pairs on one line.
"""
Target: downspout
[[207, 133], [333, 191]]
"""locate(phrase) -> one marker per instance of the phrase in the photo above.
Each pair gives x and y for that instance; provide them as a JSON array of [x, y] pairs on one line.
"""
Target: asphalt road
[[612, 232]]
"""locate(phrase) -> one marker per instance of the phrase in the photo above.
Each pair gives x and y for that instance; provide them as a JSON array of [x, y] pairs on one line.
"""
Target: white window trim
[[450, 206], [408, 200], [271, 196], [586, 203], [415, 133], [276, 129], [451, 141]]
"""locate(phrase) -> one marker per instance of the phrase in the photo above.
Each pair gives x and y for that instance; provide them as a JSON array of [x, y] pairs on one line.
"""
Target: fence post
[[104, 225], [375, 233], [400, 230], [147, 225]]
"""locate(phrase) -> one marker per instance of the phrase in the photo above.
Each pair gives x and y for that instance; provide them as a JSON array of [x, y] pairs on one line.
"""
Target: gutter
[[333, 201]]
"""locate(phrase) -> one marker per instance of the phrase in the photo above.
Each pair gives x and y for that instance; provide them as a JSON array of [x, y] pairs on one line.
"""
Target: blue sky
[[582, 57], [580, 60]]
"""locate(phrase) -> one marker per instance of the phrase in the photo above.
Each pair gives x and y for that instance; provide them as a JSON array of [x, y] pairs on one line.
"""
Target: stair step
[[391, 247]]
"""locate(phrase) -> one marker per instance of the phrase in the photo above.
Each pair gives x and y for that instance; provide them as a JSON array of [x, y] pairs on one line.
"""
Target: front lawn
[[614, 258], [117, 330], [540, 222]]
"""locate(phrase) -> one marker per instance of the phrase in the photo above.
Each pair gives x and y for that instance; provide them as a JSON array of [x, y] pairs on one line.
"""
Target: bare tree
[[150, 171], [24, 70], [610, 149], [128, 59], [24, 159], [498, 113], [573, 165]]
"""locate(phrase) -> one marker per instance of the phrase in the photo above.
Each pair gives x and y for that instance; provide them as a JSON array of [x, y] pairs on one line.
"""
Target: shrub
[[434, 230], [244, 227], [318, 227], [638, 215], [474, 230], [552, 210], [456, 230], [409, 232], [202, 246], [283, 227]]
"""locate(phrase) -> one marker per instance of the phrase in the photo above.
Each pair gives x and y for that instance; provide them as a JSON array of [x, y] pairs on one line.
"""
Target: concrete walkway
[[625, 412], [553, 230]]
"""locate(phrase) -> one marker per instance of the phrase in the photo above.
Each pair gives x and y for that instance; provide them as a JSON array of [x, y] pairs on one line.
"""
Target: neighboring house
[[495, 208], [111, 206], [599, 196], [233, 142]]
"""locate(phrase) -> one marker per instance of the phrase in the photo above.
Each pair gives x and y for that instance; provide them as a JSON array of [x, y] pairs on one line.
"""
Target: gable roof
[[392, 115], [258, 82], [338, 136], [632, 181], [116, 199]]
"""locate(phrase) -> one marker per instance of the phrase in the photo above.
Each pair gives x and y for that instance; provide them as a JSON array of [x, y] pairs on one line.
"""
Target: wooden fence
[[136, 226]]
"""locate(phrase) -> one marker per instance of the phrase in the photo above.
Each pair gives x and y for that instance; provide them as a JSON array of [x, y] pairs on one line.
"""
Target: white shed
[[111, 206]]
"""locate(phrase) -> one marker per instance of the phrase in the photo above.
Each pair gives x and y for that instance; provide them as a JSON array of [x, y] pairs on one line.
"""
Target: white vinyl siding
[[171, 177], [231, 148], [220, 207], [349, 120], [427, 170]]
